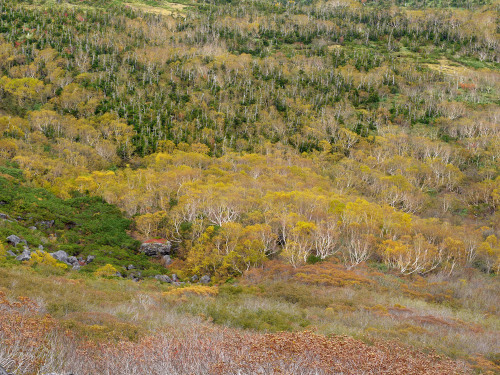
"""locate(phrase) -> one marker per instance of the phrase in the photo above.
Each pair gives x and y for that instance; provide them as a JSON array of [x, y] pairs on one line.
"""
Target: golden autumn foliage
[[106, 271], [45, 259]]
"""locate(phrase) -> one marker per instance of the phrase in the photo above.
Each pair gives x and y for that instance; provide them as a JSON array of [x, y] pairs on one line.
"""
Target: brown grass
[[32, 343]]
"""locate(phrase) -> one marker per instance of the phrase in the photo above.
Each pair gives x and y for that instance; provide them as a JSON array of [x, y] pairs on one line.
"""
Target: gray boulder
[[156, 249], [194, 278], [175, 278], [76, 267], [3, 371], [40, 247], [205, 279], [130, 267], [4, 216], [26, 255], [33, 228], [163, 278], [9, 252], [14, 240], [60, 255], [72, 260], [90, 258], [166, 260]]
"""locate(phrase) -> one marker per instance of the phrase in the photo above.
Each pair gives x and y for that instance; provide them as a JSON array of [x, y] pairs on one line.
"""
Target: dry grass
[[464, 325], [32, 343]]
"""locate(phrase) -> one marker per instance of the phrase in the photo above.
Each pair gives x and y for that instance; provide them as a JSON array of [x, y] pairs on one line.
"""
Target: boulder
[[4, 216], [163, 278], [76, 267], [194, 278], [130, 267], [60, 255], [40, 247], [72, 260], [90, 258], [9, 252], [33, 228], [156, 248], [166, 260], [205, 279], [3, 371], [14, 240], [25, 255], [175, 278]]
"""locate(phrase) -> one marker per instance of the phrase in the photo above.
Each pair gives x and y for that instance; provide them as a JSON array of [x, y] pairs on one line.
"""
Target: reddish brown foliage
[[201, 349], [324, 273]]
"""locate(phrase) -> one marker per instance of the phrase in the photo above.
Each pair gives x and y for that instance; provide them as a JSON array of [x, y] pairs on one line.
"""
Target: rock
[[76, 267], [118, 274], [156, 248], [26, 255], [174, 277], [60, 255], [40, 247], [4, 216], [3, 371], [9, 252], [130, 267], [205, 279], [33, 228], [14, 240], [45, 223], [194, 278], [3, 203], [166, 260], [163, 278], [90, 258], [72, 260]]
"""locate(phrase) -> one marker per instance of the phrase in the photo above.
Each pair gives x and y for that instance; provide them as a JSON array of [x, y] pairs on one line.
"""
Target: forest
[[287, 150]]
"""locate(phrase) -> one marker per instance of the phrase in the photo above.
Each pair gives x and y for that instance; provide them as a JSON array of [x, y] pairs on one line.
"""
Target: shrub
[[44, 259], [106, 271]]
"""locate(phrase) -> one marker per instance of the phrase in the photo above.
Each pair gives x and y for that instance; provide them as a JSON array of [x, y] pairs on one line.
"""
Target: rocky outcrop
[[163, 278], [60, 255], [25, 255], [152, 249], [15, 240], [205, 279]]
